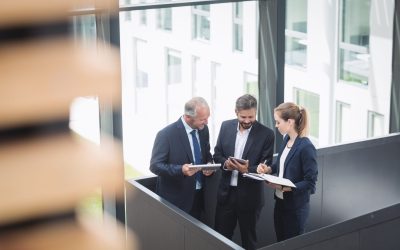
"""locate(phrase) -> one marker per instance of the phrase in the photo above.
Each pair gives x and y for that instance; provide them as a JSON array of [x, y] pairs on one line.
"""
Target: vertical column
[[107, 24], [271, 60], [395, 92]]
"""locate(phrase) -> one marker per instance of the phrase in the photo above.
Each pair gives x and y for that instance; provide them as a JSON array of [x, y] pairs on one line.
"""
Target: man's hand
[[228, 165], [208, 172], [241, 167], [279, 187], [188, 171]]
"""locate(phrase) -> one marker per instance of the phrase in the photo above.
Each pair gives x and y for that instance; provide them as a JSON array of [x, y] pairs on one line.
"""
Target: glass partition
[[162, 70]]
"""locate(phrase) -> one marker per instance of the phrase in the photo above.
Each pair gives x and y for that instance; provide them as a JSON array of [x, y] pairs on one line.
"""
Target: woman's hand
[[263, 169]]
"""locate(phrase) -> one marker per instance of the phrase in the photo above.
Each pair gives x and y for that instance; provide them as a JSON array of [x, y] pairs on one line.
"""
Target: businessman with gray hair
[[176, 147]]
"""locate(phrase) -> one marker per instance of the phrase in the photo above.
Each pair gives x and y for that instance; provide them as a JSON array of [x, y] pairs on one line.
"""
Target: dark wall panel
[[139, 219], [382, 236], [348, 242], [359, 181], [160, 225], [354, 179]]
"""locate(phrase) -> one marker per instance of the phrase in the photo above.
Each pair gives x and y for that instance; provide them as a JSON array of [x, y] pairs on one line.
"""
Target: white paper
[[271, 178]]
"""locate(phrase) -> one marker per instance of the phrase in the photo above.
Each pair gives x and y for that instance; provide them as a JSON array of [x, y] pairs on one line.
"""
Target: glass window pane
[[201, 22], [238, 37], [174, 67], [142, 64], [311, 102], [354, 67], [375, 124], [238, 26], [84, 28], [355, 23], [296, 15], [179, 67], [251, 84], [342, 51], [238, 10], [164, 19], [143, 15], [355, 34], [296, 33], [343, 118], [296, 52]]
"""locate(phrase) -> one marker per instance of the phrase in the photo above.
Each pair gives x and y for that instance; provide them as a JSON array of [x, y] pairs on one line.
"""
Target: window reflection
[[296, 33], [354, 46], [164, 18], [165, 69], [375, 124], [343, 119], [296, 52], [238, 26], [310, 101], [201, 22]]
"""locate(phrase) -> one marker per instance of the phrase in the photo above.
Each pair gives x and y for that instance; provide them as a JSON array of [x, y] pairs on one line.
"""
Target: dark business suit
[[247, 198], [171, 150], [291, 213]]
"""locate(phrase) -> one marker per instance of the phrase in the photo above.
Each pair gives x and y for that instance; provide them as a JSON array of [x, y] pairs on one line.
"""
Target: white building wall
[[321, 75], [147, 110]]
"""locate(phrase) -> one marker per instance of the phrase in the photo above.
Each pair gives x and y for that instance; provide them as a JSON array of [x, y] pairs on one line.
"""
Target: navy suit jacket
[[171, 150], [301, 168], [259, 147]]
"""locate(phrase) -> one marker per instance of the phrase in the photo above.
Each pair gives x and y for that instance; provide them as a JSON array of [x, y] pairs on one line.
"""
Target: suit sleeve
[[310, 169], [160, 158], [267, 151], [209, 157], [219, 156]]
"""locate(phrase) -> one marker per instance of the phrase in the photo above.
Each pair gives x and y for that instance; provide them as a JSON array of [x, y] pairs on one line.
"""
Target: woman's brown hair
[[290, 110]]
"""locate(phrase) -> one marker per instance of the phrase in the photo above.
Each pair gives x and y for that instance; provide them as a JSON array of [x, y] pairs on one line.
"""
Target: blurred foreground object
[[46, 169]]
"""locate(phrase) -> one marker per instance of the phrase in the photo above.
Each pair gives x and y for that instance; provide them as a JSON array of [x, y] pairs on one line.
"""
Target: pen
[[264, 164]]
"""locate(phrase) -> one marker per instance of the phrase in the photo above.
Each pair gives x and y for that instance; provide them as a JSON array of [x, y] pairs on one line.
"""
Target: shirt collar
[[187, 127], [246, 130]]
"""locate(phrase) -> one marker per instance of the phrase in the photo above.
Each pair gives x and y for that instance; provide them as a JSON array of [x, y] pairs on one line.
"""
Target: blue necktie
[[197, 157]]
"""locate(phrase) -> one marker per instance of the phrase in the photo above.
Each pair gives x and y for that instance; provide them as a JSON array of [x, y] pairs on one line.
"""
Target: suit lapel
[[250, 140], [292, 151], [231, 134], [183, 137]]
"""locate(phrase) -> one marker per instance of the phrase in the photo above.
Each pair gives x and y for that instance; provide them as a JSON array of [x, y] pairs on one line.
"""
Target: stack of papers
[[271, 178]]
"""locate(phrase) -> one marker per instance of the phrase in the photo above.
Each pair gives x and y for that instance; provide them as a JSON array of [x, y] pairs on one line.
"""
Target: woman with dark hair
[[297, 161]]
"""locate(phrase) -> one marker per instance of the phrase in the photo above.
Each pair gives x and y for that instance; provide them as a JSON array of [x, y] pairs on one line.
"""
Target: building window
[[195, 74], [128, 14], [201, 22], [215, 81], [85, 29], [164, 19], [257, 28], [343, 119], [143, 15], [311, 102], [354, 41], [141, 76], [238, 26], [174, 67], [251, 84], [375, 124], [296, 33]]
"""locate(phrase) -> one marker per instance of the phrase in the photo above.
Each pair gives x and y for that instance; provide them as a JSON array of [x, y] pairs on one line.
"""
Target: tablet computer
[[210, 166]]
